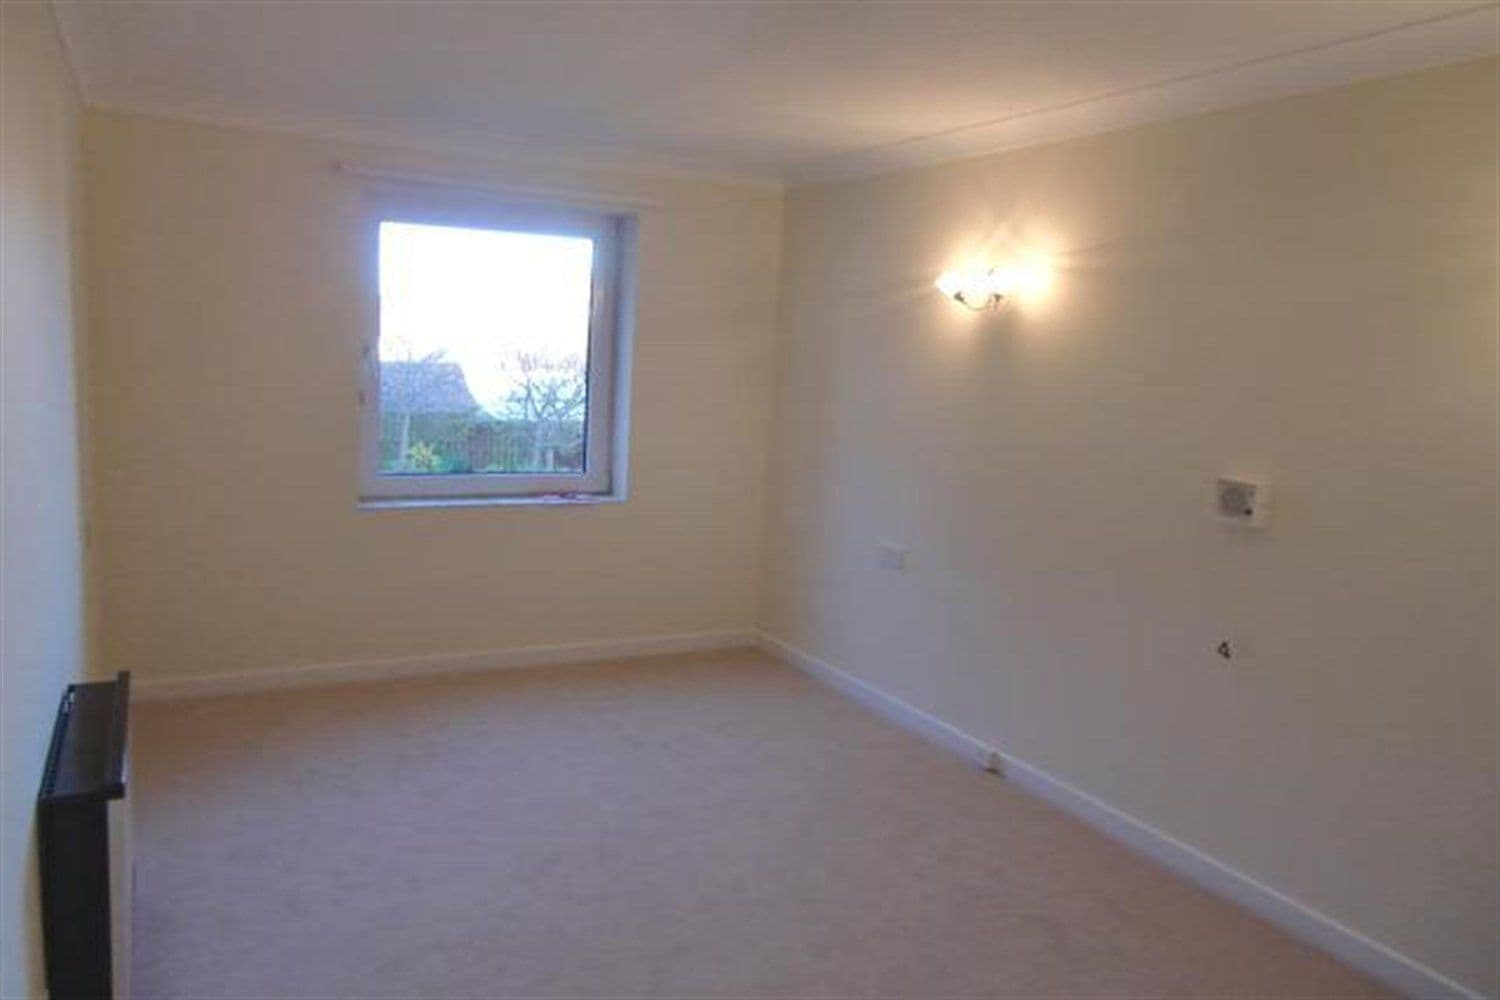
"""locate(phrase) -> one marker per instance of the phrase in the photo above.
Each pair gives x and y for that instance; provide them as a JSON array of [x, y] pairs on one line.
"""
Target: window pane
[[484, 338]]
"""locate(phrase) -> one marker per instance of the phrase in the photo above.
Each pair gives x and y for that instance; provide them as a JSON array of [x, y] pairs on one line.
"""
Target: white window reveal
[[496, 367]]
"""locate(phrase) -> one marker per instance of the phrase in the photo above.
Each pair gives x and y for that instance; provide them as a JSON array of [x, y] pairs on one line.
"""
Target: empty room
[[623, 499]]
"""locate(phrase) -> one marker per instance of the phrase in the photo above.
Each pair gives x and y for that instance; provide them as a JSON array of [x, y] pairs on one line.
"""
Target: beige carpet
[[703, 826]]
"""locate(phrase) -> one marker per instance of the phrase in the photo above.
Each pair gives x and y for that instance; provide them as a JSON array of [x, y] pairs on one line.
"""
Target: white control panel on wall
[[1245, 502]]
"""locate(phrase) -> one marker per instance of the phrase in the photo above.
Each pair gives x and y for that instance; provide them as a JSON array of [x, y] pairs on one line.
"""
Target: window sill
[[541, 500]]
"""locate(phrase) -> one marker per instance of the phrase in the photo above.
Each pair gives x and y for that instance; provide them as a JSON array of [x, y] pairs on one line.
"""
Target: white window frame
[[605, 428]]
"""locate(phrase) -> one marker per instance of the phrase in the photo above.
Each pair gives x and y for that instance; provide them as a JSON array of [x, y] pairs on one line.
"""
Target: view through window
[[484, 351]]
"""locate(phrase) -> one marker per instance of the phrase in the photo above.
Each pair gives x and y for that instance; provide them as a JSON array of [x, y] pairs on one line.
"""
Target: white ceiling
[[779, 91]]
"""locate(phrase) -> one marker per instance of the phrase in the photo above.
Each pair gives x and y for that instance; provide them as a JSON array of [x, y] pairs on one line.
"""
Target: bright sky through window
[[483, 298]]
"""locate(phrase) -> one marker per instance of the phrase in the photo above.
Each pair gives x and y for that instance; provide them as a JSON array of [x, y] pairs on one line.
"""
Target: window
[[494, 367]]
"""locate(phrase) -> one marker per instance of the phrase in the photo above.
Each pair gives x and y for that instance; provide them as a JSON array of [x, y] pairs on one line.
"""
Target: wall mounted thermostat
[[1241, 501]]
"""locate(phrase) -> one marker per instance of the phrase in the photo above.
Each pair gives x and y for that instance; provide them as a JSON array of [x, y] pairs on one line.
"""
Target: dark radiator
[[83, 841]]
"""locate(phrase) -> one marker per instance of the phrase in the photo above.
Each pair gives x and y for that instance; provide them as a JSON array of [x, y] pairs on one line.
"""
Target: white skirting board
[[312, 675], [1318, 929]]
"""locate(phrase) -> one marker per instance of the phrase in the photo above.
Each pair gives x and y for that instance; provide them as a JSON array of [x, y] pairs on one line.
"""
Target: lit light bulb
[[950, 283], [977, 289]]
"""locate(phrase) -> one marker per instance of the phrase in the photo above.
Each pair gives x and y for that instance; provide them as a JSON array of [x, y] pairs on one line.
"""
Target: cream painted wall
[[227, 307], [1303, 289], [41, 552]]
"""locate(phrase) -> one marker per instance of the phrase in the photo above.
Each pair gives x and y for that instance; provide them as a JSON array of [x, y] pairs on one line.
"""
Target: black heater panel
[[82, 833]]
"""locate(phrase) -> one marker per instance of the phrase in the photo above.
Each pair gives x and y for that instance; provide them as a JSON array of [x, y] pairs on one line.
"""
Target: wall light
[[982, 288], [977, 288]]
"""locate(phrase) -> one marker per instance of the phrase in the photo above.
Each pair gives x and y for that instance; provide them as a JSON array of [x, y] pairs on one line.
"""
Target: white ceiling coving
[[775, 91]]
